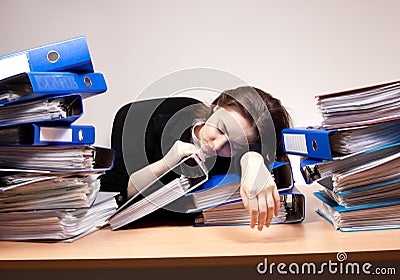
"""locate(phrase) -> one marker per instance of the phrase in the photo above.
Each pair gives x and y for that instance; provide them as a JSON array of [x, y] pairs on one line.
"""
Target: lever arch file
[[58, 225], [69, 55], [47, 159], [34, 85], [63, 109], [292, 210], [33, 134], [48, 192], [320, 143], [156, 195], [323, 171], [372, 216], [221, 189], [371, 182]]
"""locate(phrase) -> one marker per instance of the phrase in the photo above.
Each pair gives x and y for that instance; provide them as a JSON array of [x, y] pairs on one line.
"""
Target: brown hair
[[246, 101]]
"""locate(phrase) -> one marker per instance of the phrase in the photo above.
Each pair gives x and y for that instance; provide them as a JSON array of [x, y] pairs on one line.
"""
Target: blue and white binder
[[323, 170], [233, 213], [225, 188], [38, 135], [314, 143], [320, 143], [310, 172], [365, 194], [56, 159], [69, 55], [33, 85], [61, 110]]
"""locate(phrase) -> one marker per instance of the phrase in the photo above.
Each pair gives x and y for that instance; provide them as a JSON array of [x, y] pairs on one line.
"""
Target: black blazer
[[143, 132]]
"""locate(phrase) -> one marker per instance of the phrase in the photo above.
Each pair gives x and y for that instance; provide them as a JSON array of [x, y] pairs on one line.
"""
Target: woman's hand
[[178, 151], [142, 177], [258, 190]]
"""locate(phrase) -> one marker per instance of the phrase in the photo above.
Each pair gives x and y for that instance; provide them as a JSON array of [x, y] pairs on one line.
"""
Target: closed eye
[[222, 129]]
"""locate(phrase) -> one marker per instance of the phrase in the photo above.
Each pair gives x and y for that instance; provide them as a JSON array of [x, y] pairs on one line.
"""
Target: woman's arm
[[258, 190], [143, 177]]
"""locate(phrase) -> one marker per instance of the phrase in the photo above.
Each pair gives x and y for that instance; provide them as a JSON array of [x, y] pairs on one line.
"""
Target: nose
[[218, 143]]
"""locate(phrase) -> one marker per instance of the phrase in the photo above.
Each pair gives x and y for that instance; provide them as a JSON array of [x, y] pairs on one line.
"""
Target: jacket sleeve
[[116, 179]]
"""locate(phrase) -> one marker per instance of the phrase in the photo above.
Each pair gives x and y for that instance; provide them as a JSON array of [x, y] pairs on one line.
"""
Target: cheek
[[209, 133], [225, 151]]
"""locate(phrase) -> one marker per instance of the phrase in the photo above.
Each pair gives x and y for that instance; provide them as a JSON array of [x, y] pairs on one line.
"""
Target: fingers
[[178, 151], [189, 149], [262, 212], [262, 208], [253, 207], [270, 209], [186, 149], [277, 202]]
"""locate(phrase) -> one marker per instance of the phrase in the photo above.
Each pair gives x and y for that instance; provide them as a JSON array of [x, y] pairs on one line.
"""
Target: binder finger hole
[[53, 56], [80, 135], [314, 145], [87, 81]]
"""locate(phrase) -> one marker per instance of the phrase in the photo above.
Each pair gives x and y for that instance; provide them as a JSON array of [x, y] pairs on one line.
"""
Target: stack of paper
[[49, 186], [292, 210], [43, 192], [355, 157], [221, 189], [219, 200], [65, 225], [157, 195], [216, 190], [364, 217], [356, 139], [360, 106], [233, 213], [55, 158]]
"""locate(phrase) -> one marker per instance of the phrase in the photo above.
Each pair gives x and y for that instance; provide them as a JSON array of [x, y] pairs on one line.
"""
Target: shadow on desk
[[254, 236], [162, 217], [166, 218]]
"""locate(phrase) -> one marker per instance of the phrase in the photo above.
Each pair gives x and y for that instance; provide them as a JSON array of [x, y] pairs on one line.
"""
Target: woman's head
[[245, 115]]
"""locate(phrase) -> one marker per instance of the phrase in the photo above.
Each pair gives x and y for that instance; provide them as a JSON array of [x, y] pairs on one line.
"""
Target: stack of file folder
[[355, 156], [220, 204], [156, 195], [195, 193], [49, 167]]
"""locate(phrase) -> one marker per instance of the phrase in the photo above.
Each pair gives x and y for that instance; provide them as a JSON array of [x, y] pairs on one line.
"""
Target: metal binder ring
[[53, 56]]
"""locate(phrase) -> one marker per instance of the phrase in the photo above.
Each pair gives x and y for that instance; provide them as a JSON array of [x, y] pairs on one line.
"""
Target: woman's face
[[225, 132]]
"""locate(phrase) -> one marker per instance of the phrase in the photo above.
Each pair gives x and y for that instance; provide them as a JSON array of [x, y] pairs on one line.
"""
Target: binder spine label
[[56, 82], [295, 143], [13, 65], [53, 134]]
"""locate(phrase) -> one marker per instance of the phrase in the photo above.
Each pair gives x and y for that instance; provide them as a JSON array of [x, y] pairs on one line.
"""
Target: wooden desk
[[313, 240]]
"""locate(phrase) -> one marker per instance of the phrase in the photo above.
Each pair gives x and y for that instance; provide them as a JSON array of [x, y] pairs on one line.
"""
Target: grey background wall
[[292, 49]]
